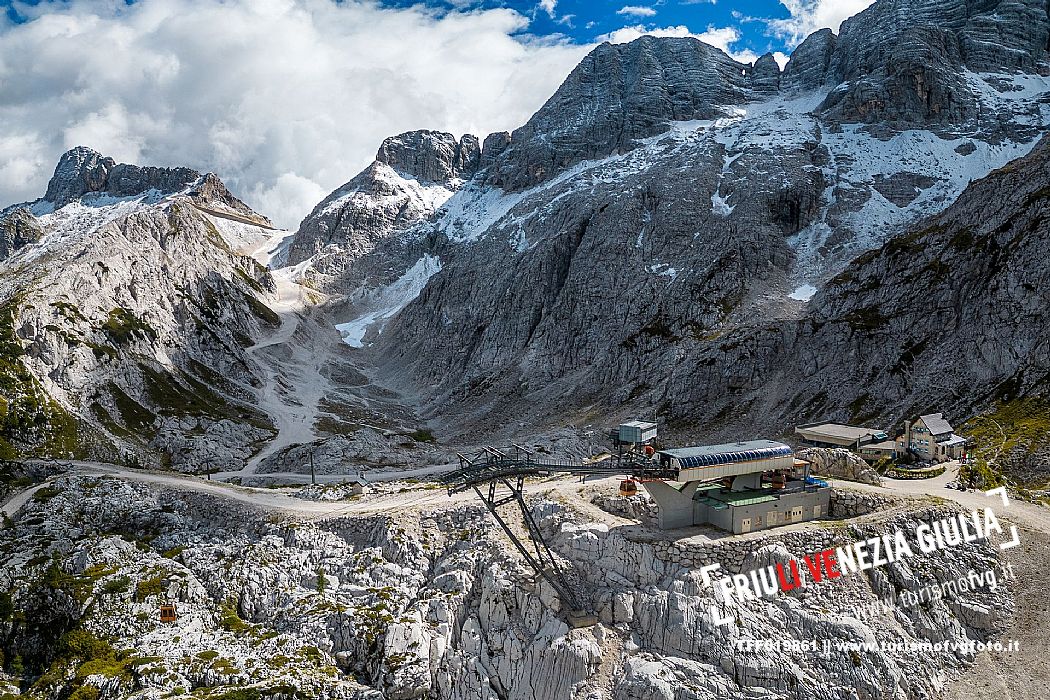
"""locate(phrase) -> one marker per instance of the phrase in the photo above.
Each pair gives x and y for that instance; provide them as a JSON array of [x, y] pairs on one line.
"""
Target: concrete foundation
[[741, 509]]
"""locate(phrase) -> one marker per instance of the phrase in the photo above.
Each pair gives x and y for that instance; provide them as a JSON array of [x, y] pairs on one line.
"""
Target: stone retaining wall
[[732, 551], [851, 504]]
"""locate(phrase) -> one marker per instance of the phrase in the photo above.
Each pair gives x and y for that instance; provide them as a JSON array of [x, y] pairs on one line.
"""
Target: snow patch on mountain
[[69, 225], [719, 205], [394, 185], [860, 159], [387, 301], [243, 238], [803, 292]]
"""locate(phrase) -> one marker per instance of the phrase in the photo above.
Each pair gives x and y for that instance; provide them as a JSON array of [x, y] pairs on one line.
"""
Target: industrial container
[[637, 432]]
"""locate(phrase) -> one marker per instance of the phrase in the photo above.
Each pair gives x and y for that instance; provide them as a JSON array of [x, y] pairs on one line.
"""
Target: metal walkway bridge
[[498, 477]]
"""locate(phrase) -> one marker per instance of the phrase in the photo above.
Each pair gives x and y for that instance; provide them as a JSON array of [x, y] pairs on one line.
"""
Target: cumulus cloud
[[807, 16], [637, 11], [720, 37], [284, 99]]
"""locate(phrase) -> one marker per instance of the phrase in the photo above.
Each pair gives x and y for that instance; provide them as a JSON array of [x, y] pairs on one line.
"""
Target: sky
[[288, 99]]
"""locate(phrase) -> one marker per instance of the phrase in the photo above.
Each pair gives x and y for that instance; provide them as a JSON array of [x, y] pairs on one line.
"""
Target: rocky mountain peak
[[82, 170], [431, 156], [413, 174], [808, 67], [210, 192], [620, 93], [765, 76]]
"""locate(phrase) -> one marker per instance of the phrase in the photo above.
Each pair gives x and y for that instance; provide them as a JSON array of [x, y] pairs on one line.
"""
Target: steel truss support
[[541, 558]]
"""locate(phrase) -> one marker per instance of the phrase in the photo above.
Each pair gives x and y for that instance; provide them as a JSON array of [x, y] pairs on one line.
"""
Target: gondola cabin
[[168, 612]]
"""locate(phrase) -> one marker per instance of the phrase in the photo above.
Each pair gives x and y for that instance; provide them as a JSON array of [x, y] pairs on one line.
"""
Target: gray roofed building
[[936, 424], [932, 438], [838, 435]]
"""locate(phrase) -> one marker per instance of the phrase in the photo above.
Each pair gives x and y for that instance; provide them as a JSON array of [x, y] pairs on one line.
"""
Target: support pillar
[[747, 481], [676, 504]]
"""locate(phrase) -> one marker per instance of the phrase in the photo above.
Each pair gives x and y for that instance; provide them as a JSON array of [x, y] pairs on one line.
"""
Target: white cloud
[[548, 7], [637, 11], [807, 16], [719, 37], [284, 99]]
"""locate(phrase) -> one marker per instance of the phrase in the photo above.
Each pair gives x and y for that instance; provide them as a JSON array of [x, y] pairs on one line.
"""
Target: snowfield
[[387, 301]]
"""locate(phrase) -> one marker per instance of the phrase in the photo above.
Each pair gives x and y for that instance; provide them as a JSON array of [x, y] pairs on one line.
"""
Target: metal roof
[[743, 498], [717, 505], [644, 425], [953, 441], [840, 431], [936, 424], [713, 455]]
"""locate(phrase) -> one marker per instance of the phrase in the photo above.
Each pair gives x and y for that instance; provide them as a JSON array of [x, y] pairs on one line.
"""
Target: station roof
[[745, 498], [717, 505], [712, 455]]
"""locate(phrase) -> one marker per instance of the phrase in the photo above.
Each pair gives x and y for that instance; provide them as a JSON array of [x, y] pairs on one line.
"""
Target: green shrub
[[46, 493], [423, 435], [117, 585], [149, 587], [124, 327], [230, 621]]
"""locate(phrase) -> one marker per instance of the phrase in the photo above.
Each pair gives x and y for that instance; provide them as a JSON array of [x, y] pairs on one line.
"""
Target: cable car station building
[[739, 487]]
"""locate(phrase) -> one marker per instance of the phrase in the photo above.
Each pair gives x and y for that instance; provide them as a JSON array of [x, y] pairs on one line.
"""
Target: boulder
[[839, 463]]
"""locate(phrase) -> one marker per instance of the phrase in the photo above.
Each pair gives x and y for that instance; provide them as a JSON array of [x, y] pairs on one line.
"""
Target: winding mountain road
[[1026, 515]]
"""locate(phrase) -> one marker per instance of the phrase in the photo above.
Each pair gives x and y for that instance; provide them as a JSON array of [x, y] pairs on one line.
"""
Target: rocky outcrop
[[79, 171], [765, 76], [17, 229], [210, 193], [808, 67], [840, 464], [851, 504], [431, 156], [493, 146], [82, 171]]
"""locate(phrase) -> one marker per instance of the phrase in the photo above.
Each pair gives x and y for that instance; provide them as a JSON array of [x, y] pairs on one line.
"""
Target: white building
[[931, 438]]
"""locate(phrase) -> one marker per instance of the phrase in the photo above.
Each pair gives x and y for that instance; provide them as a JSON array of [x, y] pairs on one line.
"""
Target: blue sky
[[586, 21], [757, 26]]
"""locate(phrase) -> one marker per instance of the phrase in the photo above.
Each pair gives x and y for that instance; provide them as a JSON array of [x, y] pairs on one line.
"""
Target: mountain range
[[730, 248]]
